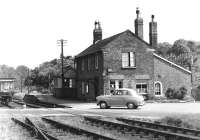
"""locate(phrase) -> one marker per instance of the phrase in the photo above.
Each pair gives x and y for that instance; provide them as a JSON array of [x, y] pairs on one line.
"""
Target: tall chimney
[[153, 40], [138, 24], [97, 32]]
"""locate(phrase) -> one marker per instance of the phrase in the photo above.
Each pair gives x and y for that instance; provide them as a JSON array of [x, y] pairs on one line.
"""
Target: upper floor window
[[82, 65], [128, 59], [88, 64], [75, 65], [96, 61]]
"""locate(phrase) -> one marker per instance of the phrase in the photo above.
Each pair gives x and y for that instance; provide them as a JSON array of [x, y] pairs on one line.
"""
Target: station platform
[[66, 102], [49, 98]]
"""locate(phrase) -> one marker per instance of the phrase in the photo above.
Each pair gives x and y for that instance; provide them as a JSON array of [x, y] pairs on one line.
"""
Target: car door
[[116, 99], [125, 96]]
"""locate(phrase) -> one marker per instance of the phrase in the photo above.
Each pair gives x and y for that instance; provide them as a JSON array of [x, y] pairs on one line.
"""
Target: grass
[[191, 121]]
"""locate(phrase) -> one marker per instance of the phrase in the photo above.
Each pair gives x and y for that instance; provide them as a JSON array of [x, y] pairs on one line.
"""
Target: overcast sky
[[29, 29]]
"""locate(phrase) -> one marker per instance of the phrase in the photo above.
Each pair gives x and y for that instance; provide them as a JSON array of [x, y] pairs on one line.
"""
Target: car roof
[[124, 89], [129, 89]]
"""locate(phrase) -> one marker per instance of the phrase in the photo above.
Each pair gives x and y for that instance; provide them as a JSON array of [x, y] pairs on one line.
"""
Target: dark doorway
[[96, 86]]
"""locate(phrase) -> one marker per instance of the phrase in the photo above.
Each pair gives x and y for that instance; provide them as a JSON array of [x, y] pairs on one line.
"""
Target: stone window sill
[[128, 67]]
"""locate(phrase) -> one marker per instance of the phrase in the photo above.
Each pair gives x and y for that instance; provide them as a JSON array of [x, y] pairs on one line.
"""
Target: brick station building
[[126, 60]]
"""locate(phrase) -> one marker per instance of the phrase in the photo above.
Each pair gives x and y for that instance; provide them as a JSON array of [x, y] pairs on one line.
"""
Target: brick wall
[[113, 61], [148, 68], [171, 76], [90, 76]]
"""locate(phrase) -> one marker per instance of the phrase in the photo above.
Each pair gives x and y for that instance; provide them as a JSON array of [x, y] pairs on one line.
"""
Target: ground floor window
[[116, 84], [141, 88], [68, 83], [158, 88], [84, 87]]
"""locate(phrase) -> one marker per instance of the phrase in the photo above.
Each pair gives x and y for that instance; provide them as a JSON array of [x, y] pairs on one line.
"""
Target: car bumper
[[141, 103]]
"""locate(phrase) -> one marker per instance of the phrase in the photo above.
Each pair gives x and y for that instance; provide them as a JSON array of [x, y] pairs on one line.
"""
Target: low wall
[[67, 93]]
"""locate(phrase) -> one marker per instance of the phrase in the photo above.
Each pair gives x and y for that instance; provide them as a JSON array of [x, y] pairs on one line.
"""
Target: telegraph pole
[[28, 82], [62, 42]]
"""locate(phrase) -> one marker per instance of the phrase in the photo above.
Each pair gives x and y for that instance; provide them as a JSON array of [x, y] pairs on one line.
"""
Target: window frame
[[84, 87], [117, 84], [128, 59], [96, 61], [88, 64], [161, 88], [83, 64], [141, 87]]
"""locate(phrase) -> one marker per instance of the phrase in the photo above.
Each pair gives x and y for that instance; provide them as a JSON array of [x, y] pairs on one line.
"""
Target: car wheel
[[131, 106], [103, 105]]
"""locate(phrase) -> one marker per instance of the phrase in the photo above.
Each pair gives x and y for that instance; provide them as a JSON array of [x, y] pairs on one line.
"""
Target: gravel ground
[[10, 131], [188, 112]]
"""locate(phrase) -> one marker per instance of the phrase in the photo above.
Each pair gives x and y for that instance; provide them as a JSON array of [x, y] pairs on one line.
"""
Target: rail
[[147, 131], [40, 133], [174, 129], [78, 130]]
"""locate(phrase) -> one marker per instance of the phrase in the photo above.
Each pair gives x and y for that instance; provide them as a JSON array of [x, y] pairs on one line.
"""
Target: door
[[96, 86]]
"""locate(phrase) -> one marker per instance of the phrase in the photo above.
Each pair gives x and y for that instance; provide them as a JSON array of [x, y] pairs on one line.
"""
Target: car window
[[125, 92], [117, 92], [112, 92]]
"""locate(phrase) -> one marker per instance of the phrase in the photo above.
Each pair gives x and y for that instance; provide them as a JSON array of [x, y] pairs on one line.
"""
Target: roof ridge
[[140, 38], [98, 46]]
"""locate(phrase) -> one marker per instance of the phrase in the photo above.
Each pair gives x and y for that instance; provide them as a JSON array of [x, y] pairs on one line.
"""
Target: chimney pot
[[97, 32], [138, 25]]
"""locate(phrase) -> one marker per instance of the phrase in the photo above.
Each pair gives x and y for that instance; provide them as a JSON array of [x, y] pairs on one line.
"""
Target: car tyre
[[103, 105], [131, 106]]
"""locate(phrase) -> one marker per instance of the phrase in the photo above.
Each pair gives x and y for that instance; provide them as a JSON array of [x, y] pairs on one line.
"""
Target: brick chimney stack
[[153, 40], [97, 32], [138, 25]]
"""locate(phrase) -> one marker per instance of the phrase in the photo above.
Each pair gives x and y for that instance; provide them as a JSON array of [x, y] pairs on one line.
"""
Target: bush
[[170, 93], [196, 94], [182, 93], [176, 94]]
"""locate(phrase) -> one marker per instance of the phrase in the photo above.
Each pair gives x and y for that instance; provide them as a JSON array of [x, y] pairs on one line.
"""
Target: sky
[[29, 29]]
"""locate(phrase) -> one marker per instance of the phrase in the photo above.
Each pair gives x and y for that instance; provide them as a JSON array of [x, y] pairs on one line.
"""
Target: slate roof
[[100, 44]]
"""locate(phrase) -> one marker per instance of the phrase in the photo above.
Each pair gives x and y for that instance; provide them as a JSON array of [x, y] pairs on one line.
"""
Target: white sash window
[[128, 59]]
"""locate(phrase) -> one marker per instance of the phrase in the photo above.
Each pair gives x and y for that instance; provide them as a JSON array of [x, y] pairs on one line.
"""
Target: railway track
[[35, 130], [145, 131], [160, 126], [79, 130], [60, 131]]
